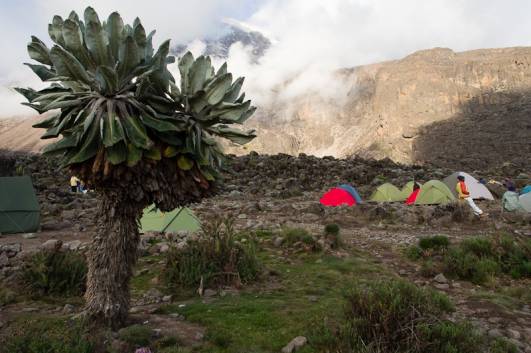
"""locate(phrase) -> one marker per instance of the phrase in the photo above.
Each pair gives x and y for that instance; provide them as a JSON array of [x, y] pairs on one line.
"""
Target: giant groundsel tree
[[130, 131]]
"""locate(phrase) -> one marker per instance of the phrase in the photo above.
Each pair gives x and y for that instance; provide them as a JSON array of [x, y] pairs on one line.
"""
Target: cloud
[[313, 38]]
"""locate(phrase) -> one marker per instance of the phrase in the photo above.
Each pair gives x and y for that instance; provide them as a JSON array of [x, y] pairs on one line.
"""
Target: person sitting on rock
[[74, 183], [463, 193], [510, 200]]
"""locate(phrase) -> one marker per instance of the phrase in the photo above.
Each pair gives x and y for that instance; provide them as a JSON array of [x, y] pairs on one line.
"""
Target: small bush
[[388, 315], [501, 345], [136, 335], [396, 316], [7, 296], [332, 233], [294, 235], [469, 266], [414, 252], [55, 273], [45, 335], [217, 258], [448, 337], [332, 229], [477, 259], [479, 246], [437, 242]]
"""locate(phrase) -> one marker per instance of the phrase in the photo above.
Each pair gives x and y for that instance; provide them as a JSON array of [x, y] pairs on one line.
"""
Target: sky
[[312, 37]]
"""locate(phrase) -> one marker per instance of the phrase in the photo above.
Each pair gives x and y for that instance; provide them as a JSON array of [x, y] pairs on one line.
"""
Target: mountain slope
[[458, 109]]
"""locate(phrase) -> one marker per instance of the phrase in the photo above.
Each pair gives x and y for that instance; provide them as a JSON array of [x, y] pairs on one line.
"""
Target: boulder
[[295, 344], [52, 244]]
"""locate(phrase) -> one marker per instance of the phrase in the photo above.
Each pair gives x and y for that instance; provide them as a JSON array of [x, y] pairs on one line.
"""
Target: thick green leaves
[[129, 57], [63, 144], [89, 146], [198, 73], [116, 154], [73, 38], [135, 130], [55, 30], [216, 90], [185, 64], [115, 28], [91, 16], [107, 79], [48, 122], [38, 51], [158, 124], [234, 135], [42, 71], [68, 66], [96, 40], [112, 128]]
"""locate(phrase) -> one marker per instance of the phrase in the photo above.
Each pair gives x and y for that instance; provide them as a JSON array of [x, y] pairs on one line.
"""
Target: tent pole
[[170, 222]]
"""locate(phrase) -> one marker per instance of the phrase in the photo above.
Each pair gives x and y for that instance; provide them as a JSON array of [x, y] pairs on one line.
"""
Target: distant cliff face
[[458, 109], [392, 106]]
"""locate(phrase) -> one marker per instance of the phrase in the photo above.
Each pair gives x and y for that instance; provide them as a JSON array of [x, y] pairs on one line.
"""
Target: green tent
[[434, 192], [408, 189], [19, 208], [177, 220], [386, 193]]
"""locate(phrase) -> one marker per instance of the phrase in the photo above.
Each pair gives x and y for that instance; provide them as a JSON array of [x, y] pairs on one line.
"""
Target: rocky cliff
[[415, 109], [467, 110]]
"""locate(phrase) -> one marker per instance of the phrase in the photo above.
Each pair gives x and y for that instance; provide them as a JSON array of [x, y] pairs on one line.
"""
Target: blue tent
[[525, 190], [351, 190]]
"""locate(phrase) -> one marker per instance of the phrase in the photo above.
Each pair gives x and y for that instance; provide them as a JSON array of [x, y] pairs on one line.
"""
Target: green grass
[[55, 273], [46, 335], [265, 320], [477, 259]]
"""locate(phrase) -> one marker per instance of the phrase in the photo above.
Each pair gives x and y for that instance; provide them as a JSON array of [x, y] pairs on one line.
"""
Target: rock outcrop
[[478, 100]]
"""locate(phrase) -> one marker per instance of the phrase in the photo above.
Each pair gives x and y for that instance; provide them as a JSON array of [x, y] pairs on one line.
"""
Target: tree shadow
[[491, 130]]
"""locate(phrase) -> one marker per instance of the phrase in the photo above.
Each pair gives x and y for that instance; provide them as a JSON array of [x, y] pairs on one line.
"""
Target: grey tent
[[19, 208], [475, 188]]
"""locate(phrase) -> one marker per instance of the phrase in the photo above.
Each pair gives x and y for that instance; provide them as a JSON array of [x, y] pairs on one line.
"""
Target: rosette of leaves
[[115, 103], [125, 127]]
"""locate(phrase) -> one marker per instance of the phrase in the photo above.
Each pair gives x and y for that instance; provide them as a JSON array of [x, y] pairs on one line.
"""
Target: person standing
[[74, 183], [463, 193]]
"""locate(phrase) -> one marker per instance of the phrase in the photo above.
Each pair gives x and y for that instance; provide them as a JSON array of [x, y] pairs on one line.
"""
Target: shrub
[[387, 315], [469, 266], [477, 259], [501, 345], [437, 242], [136, 335], [45, 335], [479, 246], [414, 252], [332, 233], [216, 258], [7, 296], [449, 337], [396, 316], [332, 229], [55, 273], [294, 235]]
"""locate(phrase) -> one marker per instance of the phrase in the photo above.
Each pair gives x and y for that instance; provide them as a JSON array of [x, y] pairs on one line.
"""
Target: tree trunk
[[111, 258]]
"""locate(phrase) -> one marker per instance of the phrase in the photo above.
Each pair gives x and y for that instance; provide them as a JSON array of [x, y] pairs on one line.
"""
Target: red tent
[[413, 197], [337, 197]]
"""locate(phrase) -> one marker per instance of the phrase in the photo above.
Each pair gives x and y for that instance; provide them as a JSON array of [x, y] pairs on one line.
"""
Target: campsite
[[285, 221], [265, 176]]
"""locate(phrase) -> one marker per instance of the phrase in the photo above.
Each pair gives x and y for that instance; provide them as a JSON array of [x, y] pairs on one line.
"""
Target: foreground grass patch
[[46, 335], [265, 319]]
